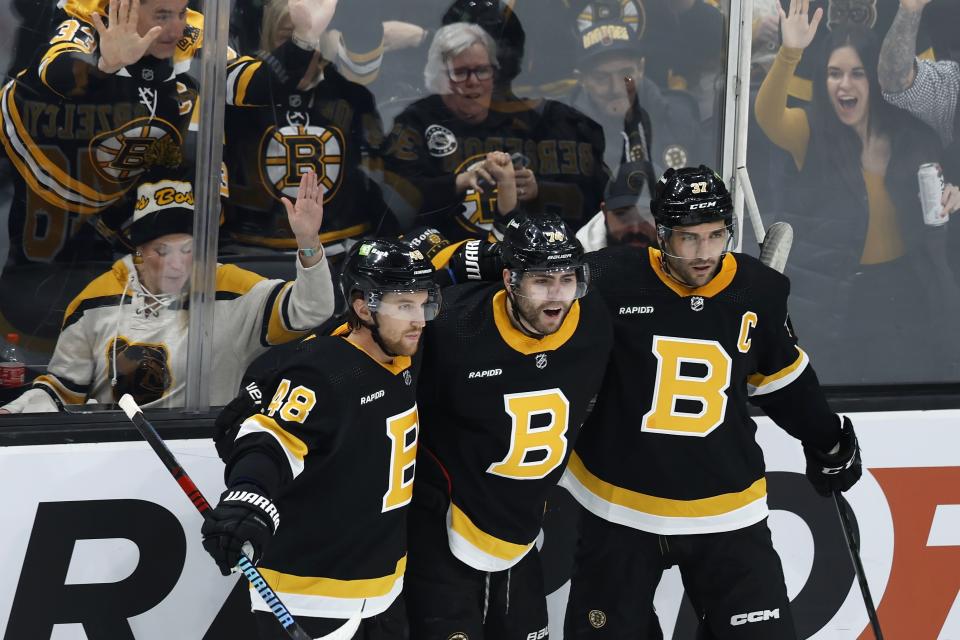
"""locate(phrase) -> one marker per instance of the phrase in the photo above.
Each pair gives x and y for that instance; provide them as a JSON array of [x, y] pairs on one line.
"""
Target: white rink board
[[896, 445]]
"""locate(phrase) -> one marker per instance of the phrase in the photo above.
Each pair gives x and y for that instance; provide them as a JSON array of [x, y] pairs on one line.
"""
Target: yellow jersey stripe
[[233, 279], [293, 447], [443, 256], [66, 396], [106, 284], [483, 541], [396, 366], [243, 82], [332, 587], [665, 507], [759, 384], [277, 330]]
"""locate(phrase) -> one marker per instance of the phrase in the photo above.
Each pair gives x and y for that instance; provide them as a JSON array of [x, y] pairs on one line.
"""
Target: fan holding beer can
[[938, 200]]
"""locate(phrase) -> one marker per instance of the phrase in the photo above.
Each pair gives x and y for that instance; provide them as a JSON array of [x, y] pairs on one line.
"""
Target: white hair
[[450, 41]]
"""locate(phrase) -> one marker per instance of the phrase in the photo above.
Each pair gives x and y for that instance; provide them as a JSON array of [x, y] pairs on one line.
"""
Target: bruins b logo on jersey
[[125, 153], [286, 153], [479, 209]]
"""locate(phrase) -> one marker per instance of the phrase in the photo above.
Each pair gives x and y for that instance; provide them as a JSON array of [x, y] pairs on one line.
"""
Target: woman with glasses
[[466, 156]]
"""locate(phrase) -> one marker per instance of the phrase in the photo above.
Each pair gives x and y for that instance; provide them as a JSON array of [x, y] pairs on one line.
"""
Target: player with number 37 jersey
[[509, 372], [667, 467]]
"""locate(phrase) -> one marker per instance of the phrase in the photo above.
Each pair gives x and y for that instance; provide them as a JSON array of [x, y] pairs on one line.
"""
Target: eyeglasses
[[461, 74]]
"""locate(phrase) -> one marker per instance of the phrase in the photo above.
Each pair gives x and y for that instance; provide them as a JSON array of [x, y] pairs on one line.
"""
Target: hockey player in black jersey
[[667, 466], [509, 370], [318, 481]]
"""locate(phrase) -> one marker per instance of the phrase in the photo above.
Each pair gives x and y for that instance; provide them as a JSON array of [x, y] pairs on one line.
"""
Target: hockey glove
[[243, 522], [835, 471]]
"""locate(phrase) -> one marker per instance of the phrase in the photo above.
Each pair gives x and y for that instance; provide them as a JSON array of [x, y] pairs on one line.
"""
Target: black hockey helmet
[[690, 196], [377, 266], [542, 243]]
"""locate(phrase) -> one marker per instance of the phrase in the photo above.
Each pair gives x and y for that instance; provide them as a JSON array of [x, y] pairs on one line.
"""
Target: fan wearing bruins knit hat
[[127, 330]]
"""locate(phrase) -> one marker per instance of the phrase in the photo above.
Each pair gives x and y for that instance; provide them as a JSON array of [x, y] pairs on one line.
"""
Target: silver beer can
[[930, 177]]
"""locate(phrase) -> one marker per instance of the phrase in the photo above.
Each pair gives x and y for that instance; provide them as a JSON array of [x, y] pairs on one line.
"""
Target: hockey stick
[[774, 250], [854, 546], [284, 617], [776, 245]]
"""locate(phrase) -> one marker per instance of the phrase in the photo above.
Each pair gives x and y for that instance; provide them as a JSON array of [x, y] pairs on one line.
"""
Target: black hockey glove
[[829, 472], [243, 516]]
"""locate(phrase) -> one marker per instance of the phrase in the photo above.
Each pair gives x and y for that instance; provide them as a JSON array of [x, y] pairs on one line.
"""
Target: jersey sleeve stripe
[[759, 384], [665, 507], [362, 68], [278, 329], [479, 549], [443, 256], [293, 447], [66, 395]]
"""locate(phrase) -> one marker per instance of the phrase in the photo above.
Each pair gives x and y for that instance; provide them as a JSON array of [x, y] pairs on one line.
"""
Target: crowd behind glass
[[426, 116]]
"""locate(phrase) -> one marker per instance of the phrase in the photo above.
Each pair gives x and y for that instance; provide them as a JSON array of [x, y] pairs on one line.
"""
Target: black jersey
[[501, 411], [80, 139], [343, 427], [670, 446], [429, 147], [274, 137]]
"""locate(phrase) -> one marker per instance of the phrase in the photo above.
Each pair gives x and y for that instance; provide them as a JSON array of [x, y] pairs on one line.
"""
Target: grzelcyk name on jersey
[[373, 396], [630, 311], [754, 616], [487, 373]]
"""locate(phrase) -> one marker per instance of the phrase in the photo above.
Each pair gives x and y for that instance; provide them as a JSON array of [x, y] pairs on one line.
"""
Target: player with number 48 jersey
[[318, 481], [509, 371]]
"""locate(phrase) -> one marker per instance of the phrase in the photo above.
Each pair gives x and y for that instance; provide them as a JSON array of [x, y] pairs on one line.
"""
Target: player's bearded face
[[170, 16], [693, 253], [543, 299], [167, 263], [400, 319]]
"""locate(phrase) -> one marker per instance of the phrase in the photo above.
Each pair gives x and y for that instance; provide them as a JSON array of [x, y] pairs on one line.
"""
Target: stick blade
[[776, 246]]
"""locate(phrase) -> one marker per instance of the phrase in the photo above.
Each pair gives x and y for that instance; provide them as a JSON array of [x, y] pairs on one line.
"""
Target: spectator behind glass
[[325, 125], [864, 267], [874, 15], [437, 157], [625, 217], [610, 59], [127, 331], [927, 89]]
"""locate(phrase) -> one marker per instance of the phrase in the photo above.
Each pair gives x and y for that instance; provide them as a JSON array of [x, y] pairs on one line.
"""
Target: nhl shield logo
[[407, 378], [147, 74], [696, 303], [440, 141], [541, 361], [295, 100]]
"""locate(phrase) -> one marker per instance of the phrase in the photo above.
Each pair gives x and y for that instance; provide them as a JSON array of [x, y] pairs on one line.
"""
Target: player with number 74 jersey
[[509, 372]]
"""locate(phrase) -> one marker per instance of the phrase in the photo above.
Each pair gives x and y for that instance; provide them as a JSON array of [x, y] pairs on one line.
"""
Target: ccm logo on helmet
[[754, 616], [702, 205]]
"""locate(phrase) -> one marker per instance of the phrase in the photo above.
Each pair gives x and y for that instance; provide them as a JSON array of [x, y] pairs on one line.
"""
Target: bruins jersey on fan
[[79, 138], [429, 147], [501, 411], [333, 129], [344, 434], [670, 447]]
